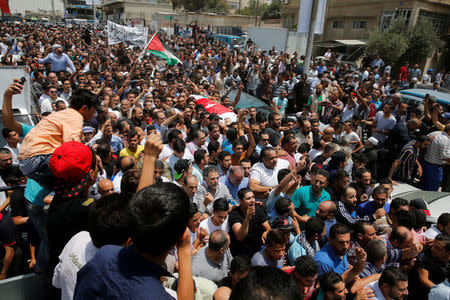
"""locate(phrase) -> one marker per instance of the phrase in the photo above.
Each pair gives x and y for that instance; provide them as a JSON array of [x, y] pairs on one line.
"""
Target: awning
[[351, 42]]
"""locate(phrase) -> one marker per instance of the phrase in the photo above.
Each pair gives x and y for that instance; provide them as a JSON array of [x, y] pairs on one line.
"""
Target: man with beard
[[210, 189], [5, 169], [264, 175], [362, 185], [273, 129], [336, 188], [377, 207], [59, 60], [393, 284], [315, 99], [347, 206], [305, 134], [333, 256]]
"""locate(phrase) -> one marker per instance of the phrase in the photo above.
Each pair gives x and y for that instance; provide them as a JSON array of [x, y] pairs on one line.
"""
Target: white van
[[23, 104]]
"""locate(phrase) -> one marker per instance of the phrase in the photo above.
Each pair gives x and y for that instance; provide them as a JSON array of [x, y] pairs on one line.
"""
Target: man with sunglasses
[[49, 104]]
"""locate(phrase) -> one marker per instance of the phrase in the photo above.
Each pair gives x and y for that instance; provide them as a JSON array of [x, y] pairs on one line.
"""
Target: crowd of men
[[133, 190]]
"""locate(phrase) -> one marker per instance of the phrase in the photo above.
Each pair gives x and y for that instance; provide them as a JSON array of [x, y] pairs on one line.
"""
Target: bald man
[[105, 187], [125, 163], [190, 185], [326, 211]]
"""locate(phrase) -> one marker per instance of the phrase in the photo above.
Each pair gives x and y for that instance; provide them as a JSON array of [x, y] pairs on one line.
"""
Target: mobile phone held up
[[22, 80]]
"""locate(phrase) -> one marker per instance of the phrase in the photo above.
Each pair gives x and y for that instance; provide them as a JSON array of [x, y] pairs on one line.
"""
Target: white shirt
[[14, 153], [166, 152], [313, 153], [352, 137], [77, 252], [46, 104], [173, 159], [383, 123], [208, 225], [117, 181], [267, 177], [432, 232]]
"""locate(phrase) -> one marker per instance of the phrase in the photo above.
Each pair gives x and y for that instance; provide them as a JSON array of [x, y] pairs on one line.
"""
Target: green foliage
[[202, 5], [400, 42], [390, 46], [254, 8], [273, 11], [422, 40]]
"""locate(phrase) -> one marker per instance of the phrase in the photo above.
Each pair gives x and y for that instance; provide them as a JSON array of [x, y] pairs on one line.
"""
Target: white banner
[[132, 35], [304, 15]]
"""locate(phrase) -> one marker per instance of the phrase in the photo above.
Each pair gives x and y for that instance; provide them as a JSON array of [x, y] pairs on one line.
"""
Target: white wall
[[20, 6]]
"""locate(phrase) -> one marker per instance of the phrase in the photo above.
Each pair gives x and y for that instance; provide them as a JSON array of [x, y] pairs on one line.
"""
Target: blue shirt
[[282, 103], [59, 63], [234, 189], [120, 273], [34, 192], [116, 143], [328, 261], [306, 201], [368, 208]]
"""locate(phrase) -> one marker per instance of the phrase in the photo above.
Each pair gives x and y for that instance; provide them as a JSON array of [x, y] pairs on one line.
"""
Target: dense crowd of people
[[133, 190]]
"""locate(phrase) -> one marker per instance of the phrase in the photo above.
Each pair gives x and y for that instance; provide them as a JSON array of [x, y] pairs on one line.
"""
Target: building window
[[388, 16], [337, 25], [359, 24], [440, 21]]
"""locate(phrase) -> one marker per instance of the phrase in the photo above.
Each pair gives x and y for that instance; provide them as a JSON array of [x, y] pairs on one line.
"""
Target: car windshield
[[427, 196]]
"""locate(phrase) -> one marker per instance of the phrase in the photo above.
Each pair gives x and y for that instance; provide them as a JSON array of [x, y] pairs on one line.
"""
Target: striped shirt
[[439, 148], [407, 158]]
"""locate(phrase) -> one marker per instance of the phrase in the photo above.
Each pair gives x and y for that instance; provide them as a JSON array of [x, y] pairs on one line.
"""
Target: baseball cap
[[180, 167], [87, 129], [282, 223], [70, 164], [419, 203], [373, 140]]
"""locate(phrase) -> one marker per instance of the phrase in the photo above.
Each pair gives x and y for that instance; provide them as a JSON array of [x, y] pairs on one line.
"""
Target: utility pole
[[53, 9], [309, 44], [256, 12], [93, 10]]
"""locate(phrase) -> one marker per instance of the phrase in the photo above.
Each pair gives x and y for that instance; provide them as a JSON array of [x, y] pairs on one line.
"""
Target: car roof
[[419, 94]]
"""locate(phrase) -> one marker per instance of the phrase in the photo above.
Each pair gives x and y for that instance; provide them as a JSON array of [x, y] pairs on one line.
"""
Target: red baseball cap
[[70, 164]]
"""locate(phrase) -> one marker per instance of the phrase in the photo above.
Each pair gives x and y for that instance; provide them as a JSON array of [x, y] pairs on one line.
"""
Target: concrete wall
[[20, 6], [205, 19]]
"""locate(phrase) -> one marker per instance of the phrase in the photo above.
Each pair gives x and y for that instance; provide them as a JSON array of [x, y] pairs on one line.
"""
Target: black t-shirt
[[18, 204], [274, 136], [8, 233], [66, 217], [436, 273], [252, 242], [18, 207]]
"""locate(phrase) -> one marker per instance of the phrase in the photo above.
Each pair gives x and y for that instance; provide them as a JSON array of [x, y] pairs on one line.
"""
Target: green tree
[[400, 42], [390, 46], [202, 5], [422, 40], [273, 11]]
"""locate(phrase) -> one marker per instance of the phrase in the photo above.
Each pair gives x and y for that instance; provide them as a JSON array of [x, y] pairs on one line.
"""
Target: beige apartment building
[[353, 19]]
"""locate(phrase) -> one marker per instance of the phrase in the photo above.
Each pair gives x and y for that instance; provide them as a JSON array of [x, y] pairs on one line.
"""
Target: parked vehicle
[[416, 96], [438, 202], [22, 103], [231, 40]]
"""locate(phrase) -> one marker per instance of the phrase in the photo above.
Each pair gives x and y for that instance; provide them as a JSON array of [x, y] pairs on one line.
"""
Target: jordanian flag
[[156, 47]]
